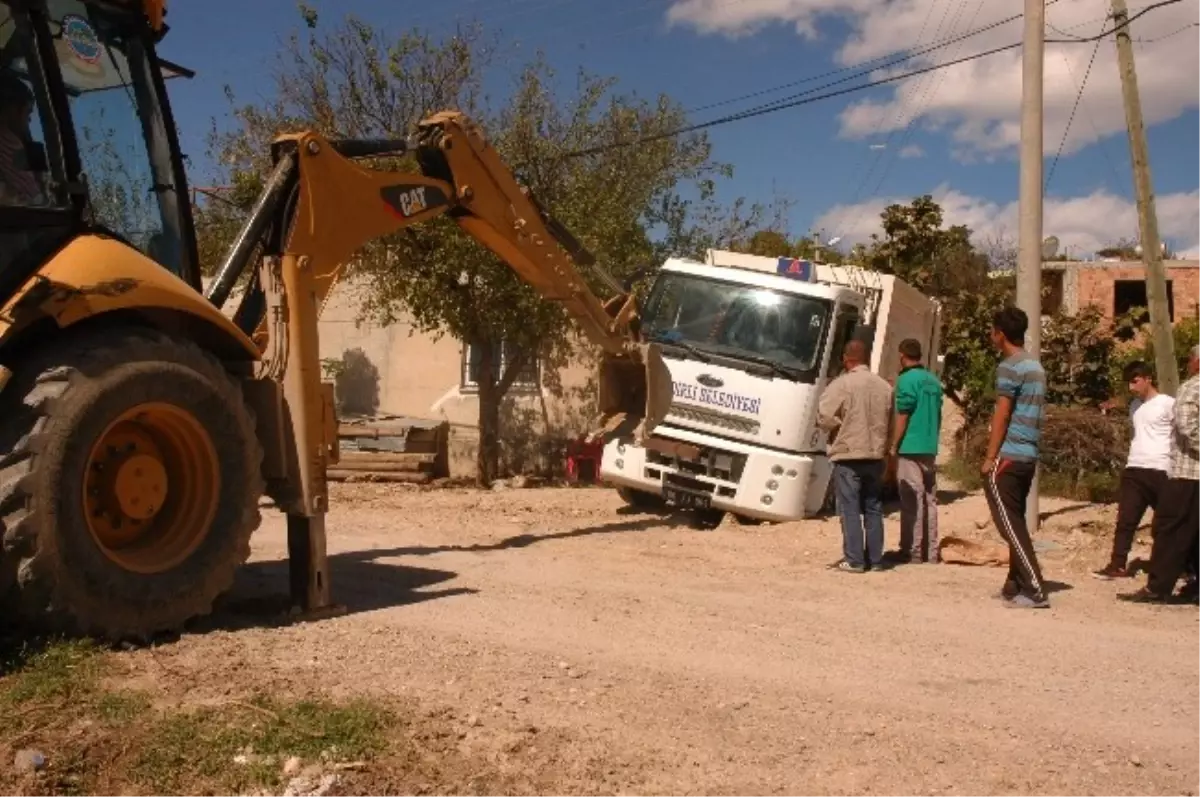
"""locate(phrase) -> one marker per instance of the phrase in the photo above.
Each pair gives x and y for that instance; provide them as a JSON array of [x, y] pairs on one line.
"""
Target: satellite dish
[[1050, 248]]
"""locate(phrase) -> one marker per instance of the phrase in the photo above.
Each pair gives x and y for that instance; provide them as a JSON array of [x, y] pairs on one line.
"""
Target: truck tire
[[641, 500], [129, 484]]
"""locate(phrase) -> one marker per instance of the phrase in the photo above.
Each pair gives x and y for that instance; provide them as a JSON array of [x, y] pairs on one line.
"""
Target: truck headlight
[[620, 463], [766, 499], [776, 470], [772, 485], [620, 448]]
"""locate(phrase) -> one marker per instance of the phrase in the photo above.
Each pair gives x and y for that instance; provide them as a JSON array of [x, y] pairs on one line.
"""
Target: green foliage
[[943, 264], [940, 262], [1186, 334], [773, 243], [1078, 353], [625, 204]]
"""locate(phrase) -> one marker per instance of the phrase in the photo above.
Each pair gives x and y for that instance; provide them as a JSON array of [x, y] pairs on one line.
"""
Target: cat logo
[[412, 201], [406, 201]]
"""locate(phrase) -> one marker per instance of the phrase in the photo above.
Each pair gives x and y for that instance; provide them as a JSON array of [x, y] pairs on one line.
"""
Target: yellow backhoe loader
[[140, 425]]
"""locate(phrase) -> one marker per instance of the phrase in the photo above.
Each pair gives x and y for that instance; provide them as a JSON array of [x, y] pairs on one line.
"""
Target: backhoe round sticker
[[81, 39]]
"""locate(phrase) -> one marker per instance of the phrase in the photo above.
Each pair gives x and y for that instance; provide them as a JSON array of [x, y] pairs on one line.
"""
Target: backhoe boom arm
[[342, 205]]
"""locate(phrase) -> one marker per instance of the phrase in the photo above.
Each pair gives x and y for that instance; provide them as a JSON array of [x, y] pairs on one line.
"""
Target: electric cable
[[1071, 118], [811, 96]]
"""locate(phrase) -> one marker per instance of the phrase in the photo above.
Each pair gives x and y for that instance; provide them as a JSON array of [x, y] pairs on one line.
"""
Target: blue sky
[[952, 133]]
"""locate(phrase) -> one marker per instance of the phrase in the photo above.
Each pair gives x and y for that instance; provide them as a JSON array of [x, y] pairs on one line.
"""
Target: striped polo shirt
[[1021, 379]]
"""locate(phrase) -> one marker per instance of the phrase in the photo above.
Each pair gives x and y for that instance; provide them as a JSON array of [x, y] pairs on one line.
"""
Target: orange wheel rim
[[151, 487]]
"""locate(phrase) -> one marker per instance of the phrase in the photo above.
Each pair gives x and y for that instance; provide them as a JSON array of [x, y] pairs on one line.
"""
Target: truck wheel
[[707, 519], [129, 483], [640, 500]]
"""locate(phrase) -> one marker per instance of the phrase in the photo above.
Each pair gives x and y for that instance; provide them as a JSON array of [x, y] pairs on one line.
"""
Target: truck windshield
[[733, 320]]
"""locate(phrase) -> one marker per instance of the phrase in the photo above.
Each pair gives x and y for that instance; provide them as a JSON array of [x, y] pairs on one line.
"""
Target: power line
[[810, 96], [921, 95], [1100, 137], [873, 161], [896, 57], [785, 104], [931, 90], [1070, 119]]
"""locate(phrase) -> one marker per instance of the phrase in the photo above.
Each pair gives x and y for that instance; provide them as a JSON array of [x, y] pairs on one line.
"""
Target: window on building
[[502, 354], [1131, 294], [1052, 291]]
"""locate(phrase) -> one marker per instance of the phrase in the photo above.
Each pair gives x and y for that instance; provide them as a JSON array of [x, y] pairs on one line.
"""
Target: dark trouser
[[858, 485], [1140, 490], [1007, 487], [1176, 525], [917, 477]]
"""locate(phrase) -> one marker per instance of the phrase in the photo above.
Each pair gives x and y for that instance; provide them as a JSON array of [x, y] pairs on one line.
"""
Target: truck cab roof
[[762, 279]]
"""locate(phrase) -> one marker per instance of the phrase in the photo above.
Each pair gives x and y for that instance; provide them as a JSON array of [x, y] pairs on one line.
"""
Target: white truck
[[751, 342]]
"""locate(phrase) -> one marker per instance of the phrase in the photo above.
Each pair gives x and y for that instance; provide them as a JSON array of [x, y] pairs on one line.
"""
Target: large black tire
[[60, 402]]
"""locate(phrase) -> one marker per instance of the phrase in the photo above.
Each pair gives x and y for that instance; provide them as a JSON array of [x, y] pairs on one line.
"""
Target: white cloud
[[912, 151], [978, 103], [1082, 224]]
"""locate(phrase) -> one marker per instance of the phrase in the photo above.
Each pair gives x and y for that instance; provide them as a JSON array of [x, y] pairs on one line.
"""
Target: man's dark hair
[[911, 348], [1012, 323], [13, 91], [1137, 369]]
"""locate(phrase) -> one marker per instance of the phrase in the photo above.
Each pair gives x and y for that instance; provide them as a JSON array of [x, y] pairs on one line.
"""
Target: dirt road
[[580, 649]]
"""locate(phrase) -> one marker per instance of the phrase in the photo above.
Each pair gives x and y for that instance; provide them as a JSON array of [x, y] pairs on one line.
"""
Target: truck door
[[845, 324]]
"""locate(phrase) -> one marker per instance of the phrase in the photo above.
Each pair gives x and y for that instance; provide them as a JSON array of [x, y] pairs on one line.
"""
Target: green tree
[[942, 263], [357, 81]]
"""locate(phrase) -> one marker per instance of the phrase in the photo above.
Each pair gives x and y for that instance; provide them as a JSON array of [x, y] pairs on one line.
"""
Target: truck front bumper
[[748, 481]]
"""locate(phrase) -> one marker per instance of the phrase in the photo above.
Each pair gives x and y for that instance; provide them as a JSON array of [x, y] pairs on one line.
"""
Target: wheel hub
[[151, 488], [141, 486]]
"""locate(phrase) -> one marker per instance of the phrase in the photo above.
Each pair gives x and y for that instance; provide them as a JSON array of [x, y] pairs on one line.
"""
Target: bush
[[1186, 333], [1081, 452]]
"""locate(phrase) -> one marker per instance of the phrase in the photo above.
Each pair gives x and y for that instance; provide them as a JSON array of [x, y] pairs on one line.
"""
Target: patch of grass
[[53, 672], [122, 707], [52, 697], [203, 747]]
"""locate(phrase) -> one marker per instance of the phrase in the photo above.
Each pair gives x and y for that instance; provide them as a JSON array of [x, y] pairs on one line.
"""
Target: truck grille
[[721, 420], [712, 462]]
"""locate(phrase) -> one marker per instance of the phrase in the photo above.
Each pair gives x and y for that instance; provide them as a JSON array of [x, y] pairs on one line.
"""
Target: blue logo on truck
[[717, 398], [804, 270]]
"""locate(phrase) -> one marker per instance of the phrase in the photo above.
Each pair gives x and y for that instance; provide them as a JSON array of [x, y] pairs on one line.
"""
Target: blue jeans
[[858, 485]]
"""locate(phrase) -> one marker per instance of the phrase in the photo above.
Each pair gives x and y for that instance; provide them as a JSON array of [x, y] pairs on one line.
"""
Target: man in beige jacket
[[855, 409]]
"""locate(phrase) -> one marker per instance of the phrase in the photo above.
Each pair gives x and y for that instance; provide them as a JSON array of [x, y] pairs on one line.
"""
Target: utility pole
[[1029, 245], [1156, 275]]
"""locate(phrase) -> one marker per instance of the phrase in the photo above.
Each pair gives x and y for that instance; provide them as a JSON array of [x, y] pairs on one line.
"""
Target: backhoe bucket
[[635, 394]]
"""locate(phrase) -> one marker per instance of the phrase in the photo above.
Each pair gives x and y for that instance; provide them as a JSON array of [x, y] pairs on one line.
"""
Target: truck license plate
[[686, 499]]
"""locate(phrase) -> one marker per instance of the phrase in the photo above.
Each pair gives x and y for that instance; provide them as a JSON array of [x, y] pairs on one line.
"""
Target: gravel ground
[[580, 648]]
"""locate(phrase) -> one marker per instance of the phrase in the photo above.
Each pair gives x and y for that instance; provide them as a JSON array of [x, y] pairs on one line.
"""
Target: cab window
[[31, 173]]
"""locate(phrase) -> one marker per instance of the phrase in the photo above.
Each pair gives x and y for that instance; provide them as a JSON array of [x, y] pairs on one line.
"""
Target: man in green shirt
[[915, 429]]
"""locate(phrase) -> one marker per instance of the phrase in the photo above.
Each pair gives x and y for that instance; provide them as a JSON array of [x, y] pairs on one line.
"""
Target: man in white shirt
[[1145, 473]]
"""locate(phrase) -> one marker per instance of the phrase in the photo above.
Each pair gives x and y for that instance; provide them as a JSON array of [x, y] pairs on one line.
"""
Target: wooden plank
[[342, 475], [387, 458], [380, 467]]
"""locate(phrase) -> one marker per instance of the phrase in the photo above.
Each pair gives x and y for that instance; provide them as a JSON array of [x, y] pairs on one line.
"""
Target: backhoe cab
[[139, 424]]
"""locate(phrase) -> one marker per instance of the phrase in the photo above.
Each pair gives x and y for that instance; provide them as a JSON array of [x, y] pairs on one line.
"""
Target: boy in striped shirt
[[1012, 455]]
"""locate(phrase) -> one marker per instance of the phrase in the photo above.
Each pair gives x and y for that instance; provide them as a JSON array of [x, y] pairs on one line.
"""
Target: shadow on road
[[1063, 510], [525, 540], [362, 583], [359, 584]]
